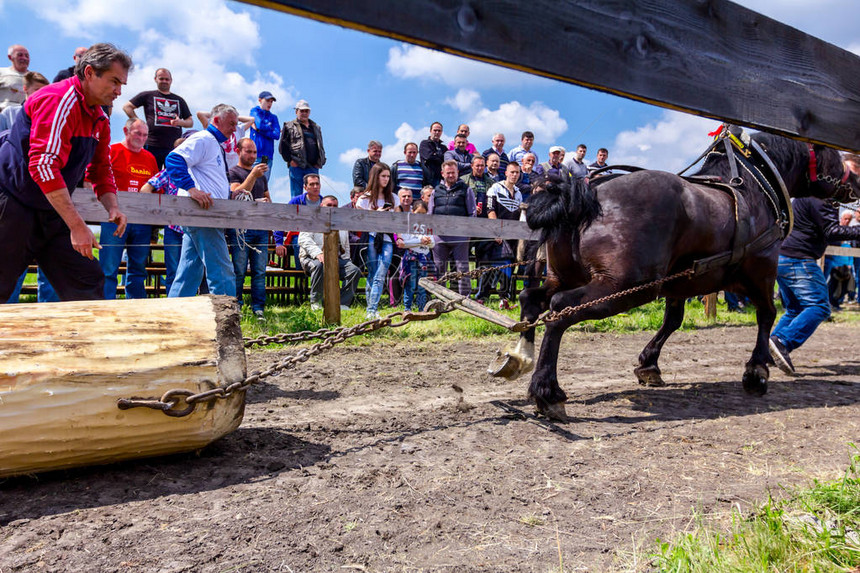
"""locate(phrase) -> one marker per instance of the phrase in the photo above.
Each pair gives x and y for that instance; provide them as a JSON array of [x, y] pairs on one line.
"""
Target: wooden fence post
[[710, 301], [331, 278]]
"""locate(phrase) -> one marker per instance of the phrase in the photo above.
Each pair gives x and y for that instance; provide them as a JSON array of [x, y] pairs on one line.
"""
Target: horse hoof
[[755, 380], [515, 362], [649, 376], [555, 412]]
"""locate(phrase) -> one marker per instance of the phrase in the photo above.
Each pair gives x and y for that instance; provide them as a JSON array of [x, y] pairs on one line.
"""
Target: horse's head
[[562, 209]]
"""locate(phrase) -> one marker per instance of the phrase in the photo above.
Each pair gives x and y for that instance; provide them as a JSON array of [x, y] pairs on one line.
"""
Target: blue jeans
[[46, 292], [411, 291], [136, 241], [172, 252], [253, 245], [805, 298], [377, 271], [204, 248], [297, 175]]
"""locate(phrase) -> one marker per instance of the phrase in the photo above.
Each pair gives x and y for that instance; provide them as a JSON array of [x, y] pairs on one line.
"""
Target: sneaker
[[259, 315], [344, 307], [780, 355], [371, 315], [316, 306]]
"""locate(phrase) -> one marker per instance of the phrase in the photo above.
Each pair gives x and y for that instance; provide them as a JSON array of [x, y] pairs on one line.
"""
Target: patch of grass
[[814, 529], [531, 520]]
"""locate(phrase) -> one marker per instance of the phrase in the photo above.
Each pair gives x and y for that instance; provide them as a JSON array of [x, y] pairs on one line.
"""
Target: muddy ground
[[370, 460]]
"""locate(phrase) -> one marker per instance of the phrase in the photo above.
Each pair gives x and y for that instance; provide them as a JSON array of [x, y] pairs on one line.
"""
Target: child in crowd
[[415, 261]]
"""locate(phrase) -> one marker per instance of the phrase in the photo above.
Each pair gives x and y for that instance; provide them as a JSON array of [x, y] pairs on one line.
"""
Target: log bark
[[63, 366]]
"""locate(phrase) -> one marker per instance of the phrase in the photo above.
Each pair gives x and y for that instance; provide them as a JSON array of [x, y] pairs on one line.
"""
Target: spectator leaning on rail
[[311, 197], [313, 260], [248, 183], [801, 282], [166, 114], [199, 167], [301, 147], [452, 197], [12, 78], [266, 130], [132, 167], [361, 168], [432, 153], [61, 133]]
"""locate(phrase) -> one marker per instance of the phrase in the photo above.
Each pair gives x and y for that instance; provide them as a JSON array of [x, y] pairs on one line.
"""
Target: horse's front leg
[[516, 361], [756, 372], [648, 372]]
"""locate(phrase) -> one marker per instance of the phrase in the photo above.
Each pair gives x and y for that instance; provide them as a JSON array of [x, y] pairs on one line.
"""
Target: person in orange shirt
[[132, 167]]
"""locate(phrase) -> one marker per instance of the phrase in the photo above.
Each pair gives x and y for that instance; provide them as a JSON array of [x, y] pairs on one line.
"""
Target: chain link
[[178, 402], [477, 272]]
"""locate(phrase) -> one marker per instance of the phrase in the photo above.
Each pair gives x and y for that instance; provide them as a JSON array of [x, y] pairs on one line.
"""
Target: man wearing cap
[[554, 168], [166, 114], [301, 147], [266, 130]]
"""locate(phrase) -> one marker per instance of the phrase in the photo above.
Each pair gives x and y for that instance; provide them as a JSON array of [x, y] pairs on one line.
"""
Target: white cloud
[[197, 41], [349, 156], [512, 118], [279, 189], [414, 62], [466, 100], [668, 144]]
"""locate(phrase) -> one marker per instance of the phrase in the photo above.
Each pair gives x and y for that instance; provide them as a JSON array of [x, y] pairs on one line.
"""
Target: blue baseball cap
[[267, 95]]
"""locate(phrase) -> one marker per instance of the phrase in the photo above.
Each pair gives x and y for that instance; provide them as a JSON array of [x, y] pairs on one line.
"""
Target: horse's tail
[[563, 209]]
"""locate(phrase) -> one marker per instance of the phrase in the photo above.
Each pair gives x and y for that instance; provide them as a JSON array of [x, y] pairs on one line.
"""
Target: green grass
[[458, 325], [816, 528]]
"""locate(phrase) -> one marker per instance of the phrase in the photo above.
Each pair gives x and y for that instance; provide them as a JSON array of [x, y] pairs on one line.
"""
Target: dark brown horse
[[636, 228]]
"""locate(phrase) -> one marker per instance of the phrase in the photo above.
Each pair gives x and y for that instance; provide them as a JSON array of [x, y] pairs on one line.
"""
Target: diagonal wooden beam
[[711, 58]]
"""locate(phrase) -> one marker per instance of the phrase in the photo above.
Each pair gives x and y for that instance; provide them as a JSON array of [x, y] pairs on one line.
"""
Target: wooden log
[[63, 366], [331, 277]]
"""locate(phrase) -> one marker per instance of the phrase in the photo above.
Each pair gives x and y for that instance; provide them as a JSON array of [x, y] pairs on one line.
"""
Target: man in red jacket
[[61, 134]]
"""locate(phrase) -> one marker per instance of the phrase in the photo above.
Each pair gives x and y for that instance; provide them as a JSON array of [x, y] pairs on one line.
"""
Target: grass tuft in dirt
[[813, 529]]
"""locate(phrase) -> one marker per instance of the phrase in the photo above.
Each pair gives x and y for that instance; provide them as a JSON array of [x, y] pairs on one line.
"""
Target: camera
[[264, 160]]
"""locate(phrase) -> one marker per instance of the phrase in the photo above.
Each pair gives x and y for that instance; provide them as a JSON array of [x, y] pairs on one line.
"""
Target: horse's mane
[[563, 209]]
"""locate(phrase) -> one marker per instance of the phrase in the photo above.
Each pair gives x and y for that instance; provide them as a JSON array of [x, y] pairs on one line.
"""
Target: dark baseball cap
[[267, 95]]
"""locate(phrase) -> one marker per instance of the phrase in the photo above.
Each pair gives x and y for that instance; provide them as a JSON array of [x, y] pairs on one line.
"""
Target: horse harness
[[741, 151]]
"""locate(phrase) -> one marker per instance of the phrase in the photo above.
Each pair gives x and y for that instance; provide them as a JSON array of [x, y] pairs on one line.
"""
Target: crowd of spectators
[[231, 158]]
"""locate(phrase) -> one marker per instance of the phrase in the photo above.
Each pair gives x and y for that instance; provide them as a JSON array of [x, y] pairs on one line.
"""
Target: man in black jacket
[[452, 197], [802, 286], [432, 153]]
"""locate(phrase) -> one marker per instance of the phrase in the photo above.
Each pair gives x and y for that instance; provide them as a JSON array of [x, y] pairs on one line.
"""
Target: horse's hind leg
[[648, 372]]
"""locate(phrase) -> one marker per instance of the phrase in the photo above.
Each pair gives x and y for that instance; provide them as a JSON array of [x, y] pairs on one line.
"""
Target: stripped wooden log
[[63, 366]]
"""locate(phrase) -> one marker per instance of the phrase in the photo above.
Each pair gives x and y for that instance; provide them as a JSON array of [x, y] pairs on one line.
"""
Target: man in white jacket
[[312, 261]]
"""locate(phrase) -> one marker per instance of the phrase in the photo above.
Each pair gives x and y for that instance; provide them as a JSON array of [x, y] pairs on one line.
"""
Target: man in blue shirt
[[266, 130]]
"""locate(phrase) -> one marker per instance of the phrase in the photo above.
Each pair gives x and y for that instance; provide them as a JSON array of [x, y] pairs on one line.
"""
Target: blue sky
[[361, 87]]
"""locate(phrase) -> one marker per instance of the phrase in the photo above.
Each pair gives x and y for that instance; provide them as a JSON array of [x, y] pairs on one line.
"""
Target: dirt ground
[[370, 459]]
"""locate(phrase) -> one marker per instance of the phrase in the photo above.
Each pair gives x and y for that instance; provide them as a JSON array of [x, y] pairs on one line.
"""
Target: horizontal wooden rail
[[842, 251], [707, 57], [150, 209]]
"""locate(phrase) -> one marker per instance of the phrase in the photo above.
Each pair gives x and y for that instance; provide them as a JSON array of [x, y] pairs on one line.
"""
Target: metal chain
[[171, 403], [556, 315]]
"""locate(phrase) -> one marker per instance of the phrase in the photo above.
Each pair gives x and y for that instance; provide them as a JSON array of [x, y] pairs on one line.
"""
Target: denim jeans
[[805, 298], [46, 292], [254, 245], [297, 175], [204, 247], [377, 271], [172, 252], [411, 291], [136, 241], [454, 249]]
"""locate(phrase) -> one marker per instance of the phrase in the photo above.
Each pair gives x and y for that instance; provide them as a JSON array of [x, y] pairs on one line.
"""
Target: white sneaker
[[259, 315], [315, 306], [344, 307], [372, 315]]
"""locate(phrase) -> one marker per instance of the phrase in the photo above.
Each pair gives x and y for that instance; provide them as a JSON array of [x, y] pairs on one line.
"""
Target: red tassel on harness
[[717, 132], [813, 163]]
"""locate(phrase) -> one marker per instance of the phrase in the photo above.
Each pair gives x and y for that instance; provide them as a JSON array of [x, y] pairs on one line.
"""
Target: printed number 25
[[420, 229]]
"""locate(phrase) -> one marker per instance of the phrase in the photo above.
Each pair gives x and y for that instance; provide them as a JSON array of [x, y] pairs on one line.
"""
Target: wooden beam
[[706, 57], [150, 209]]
